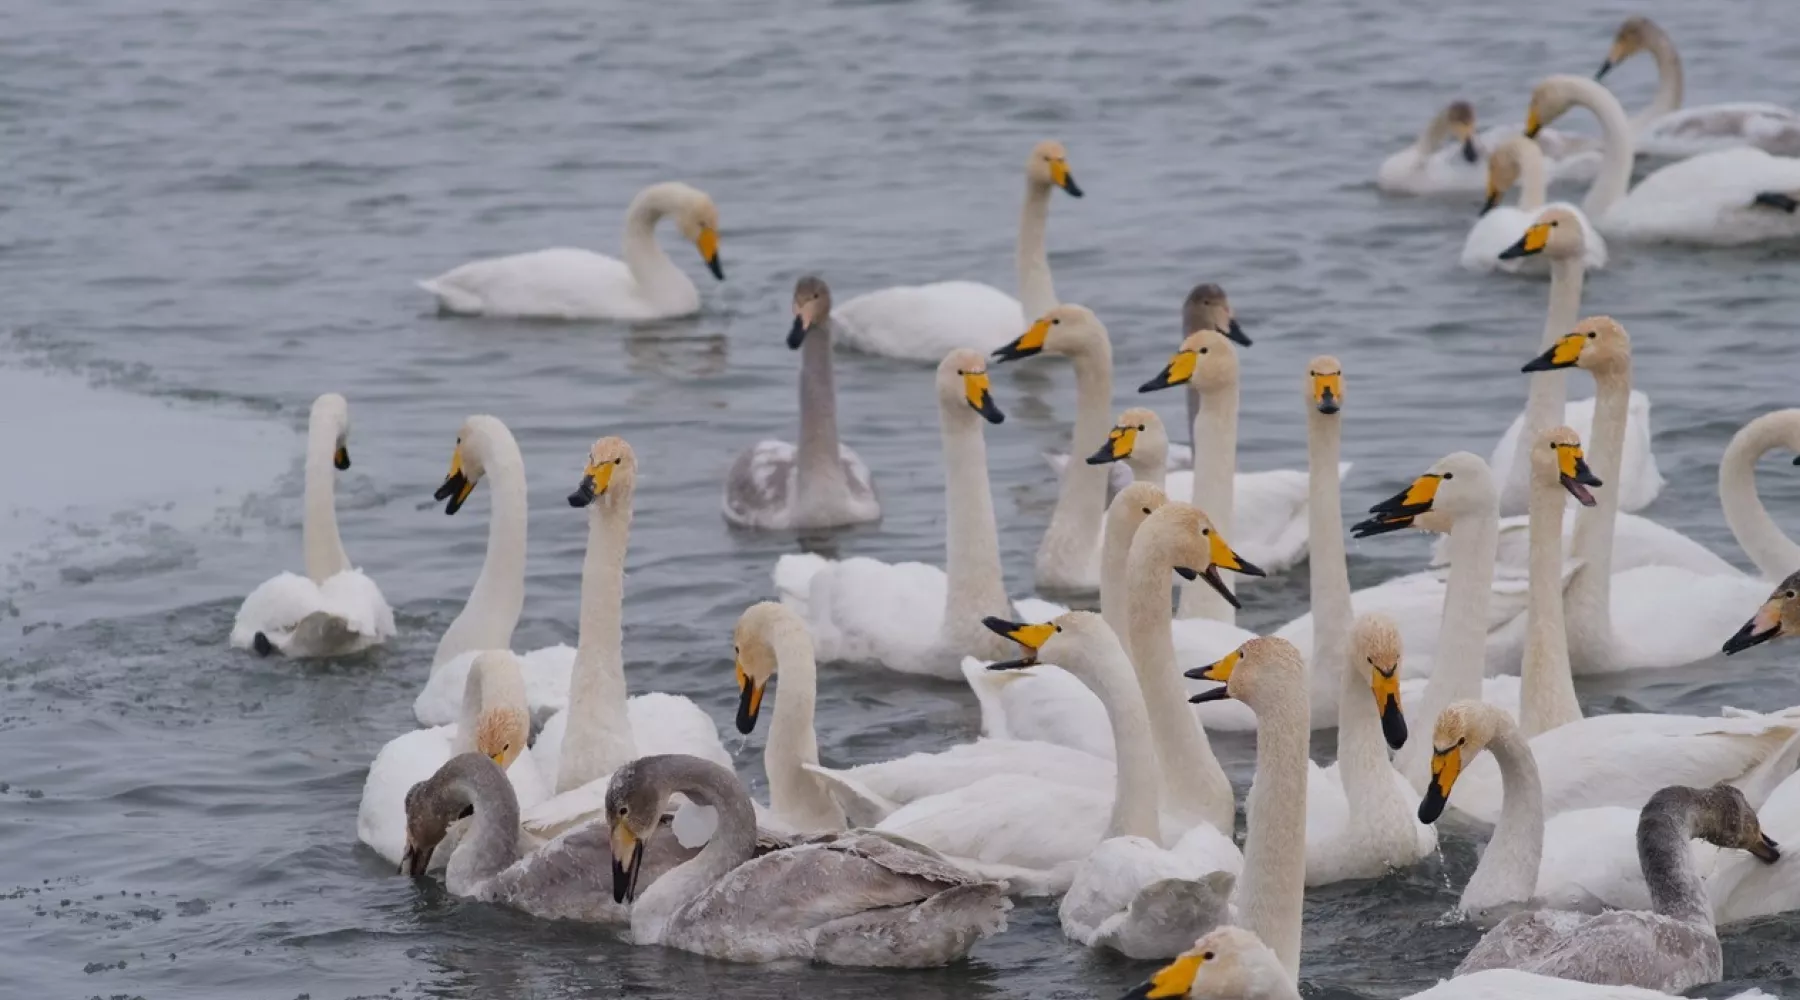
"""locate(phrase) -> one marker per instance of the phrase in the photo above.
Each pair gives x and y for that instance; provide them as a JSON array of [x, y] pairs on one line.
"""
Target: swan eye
[[1206, 956], [1449, 475], [1790, 595], [1203, 350], [1462, 740], [1591, 335], [1147, 510], [1059, 628], [1056, 322], [624, 810], [1140, 427]]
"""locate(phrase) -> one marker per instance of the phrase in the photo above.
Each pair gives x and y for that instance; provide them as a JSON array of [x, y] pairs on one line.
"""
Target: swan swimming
[[1518, 161], [1431, 166], [1666, 129], [334, 610]]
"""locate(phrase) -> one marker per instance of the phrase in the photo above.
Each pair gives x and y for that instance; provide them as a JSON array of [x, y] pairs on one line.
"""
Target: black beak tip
[[1393, 727], [796, 334], [342, 459], [1212, 577], [1196, 673], [1186, 573], [1220, 693], [1005, 665], [1513, 252], [991, 412], [746, 724], [1605, 68], [1432, 806], [1328, 406], [1797, 459], [1469, 154], [1487, 206], [1746, 637], [621, 882], [1071, 187], [1236, 333], [997, 625], [717, 268], [1161, 381]]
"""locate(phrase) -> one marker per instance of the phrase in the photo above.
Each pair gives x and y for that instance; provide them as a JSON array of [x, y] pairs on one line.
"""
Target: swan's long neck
[[1330, 572], [1508, 871], [1115, 579], [1548, 696], [1670, 81], [1037, 294], [731, 845], [1548, 396], [1534, 180], [794, 794], [491, 844], [1773, 552], [1149, 463], [1614, 178], [1461, 658], [325, 556], [1587, 602], [1215, 485], [1664, 829], [599, 737], [1068, 545], [820, 473], [974, 584], [1135, 803], [650, 266], [493, 608], [1194, 786], [1270, 894]]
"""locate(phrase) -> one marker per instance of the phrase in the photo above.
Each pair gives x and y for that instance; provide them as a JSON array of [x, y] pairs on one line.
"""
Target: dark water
[[210, 213]]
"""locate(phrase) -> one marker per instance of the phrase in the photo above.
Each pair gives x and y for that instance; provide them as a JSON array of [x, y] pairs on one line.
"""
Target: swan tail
[[1026, 883], [1166, 916], [451, 299], [1777, 200], [863, 807], [935, 931]]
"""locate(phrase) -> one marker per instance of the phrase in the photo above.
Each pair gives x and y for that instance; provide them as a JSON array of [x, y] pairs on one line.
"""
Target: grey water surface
[[211, 212]]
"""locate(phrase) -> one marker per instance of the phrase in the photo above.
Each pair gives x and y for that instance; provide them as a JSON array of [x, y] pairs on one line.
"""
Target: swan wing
[[355, 599], [1045, 704], [1015, 820], [275, 608], [1134, 896], [865, 611], [560, 283], [1666, 616], [925, 322], [1687, 132], [759, 488], [1710, 200]]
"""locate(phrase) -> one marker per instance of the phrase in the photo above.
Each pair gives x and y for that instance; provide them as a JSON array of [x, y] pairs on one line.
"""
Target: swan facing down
[[1674, 946], [1666, 129], [923, 322], [820, 483], [1429, 166], [1519, 162], [334, 610], [571, 284], [856, 899]]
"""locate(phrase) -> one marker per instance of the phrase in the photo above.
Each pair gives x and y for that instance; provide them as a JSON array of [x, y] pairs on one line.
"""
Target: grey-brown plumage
[[1671, 948]]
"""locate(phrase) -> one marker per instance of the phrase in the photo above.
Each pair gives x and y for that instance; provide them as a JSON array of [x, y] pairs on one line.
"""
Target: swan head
[[1556, 234], [1133, 504], [962, 384], [1069, 330], [1205, 359], [697, 219], [1457, 121], [1325, 385], [1227, 964], [1049, 167], [1505, 165], [1207, 308], [1462, 731], [1634, 36], [635, 800], [1456, 485], [812, 306], [611, 472], [753, 645], [1778, 616], [1073, 640], [332, 413], [431, 806], [468, 462], [1375, 642], [1185, 537], [1720, 815], [1552, 98], [1138, 428], [501, 733], [1598, 344], [1556, 457], [1267, 673]]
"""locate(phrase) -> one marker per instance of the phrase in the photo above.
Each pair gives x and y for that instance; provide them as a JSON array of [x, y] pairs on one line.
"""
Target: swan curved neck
[[492, 611], [1194, 786], [1037, 294], [1588, 597], [649, 264], [795, 795], [1547, 698], [1270, 895], [1664, 829], [732, 844], [1614, 178], [1067, 555], [492, 842], [1534, 180], [1670, 80], [974, 585], [1329, 570], [1115, 554], [598, 738], [1508, 871], [1773, 552], [821, 484], [324, 550], [1215, 486], [1549, 391]]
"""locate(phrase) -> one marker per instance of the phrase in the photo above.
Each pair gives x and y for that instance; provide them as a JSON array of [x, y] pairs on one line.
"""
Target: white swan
[[1721, 198], [820, 483], [1558, 235], [924, 322], [856, 899], [496, 722], [912, 617], [1428, 166], [334, 610], [1233, 964], [1666, 129], [565, 283], [485, 449], [1519, 161], [581, 746], [1651, 616]]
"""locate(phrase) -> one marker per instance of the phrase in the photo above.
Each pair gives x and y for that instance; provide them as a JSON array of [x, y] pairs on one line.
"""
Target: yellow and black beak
[[708, 242], [1763, 626], [1533, 122], [1119, 442], [1562, 354], [1026, 344], [979, 393], [1398, 511], [1031, 637], [1219, 671], [1171, 981], [1178, 371], [341, 457], [1446, 767], [593, 484], [750, 698], [457, 485], [1576, 477], [627, 862], [1386, 687], [1062, 178], [1328, 392], [1494, 195], [1533, 242], [1221, 557], [1235, 333]]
